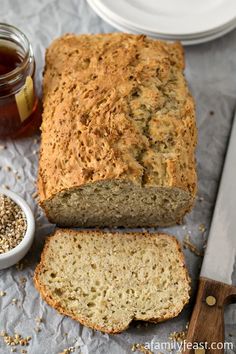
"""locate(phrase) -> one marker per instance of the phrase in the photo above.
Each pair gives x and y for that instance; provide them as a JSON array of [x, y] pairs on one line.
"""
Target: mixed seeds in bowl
[[13, 224]]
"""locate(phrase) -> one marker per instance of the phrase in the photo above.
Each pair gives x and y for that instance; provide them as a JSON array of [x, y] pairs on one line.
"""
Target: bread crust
[[85, 140], [85, 321]]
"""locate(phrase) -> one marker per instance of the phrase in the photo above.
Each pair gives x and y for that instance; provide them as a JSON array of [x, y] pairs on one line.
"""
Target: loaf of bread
[[106, 280], [118, 132]]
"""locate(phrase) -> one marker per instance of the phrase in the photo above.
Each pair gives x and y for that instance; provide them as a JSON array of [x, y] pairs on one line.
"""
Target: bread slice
[[118, 132], [105, 280]]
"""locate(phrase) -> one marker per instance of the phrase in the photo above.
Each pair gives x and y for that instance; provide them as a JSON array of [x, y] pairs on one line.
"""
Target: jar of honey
[[19, 113]]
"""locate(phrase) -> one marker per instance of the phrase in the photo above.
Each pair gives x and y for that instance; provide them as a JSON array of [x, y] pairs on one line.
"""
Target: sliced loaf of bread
[[118, 133], [106, 280]]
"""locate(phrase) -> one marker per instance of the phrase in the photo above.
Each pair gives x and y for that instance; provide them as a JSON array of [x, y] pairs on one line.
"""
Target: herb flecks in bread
[[118, 132], [106, 280]]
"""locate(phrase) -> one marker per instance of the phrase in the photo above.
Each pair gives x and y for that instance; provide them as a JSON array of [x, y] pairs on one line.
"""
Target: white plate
[[99, 8], [122, 26], [170, 17], [185, 40]]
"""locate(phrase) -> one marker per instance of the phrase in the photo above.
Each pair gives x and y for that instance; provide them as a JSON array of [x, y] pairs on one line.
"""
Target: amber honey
[[9, 59], [19, 109]]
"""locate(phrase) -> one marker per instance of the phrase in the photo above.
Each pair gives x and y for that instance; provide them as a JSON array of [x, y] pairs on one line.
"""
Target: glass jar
[[19, 113]]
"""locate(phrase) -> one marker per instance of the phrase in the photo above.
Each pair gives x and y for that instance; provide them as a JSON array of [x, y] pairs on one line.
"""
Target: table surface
[[211, 73]]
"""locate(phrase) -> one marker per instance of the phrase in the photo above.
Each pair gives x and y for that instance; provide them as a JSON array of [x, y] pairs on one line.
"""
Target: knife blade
[[220, 255], [206, 328]]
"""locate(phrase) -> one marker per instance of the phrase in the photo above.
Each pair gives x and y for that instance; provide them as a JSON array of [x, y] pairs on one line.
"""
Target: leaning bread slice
[[106, 280]]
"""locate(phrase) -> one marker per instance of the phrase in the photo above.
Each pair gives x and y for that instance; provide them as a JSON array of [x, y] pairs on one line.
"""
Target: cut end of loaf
[[106, 280], [118, 204]]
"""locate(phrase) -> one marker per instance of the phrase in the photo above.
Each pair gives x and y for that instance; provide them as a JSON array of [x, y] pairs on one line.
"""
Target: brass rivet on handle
[[200, 351], [211, 300]]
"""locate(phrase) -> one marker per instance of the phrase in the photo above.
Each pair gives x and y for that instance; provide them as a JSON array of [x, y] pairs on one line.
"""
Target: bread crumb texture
[[118, 132], [106, 280]]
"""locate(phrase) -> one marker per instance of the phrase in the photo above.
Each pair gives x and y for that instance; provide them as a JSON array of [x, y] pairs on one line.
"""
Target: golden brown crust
[[85, 321], [116, 106]]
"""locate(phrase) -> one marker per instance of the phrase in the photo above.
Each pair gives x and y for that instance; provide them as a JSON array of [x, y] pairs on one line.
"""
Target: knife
[[215, 290]]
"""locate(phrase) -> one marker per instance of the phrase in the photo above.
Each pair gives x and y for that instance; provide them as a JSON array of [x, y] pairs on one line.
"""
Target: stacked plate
[[189, 21]]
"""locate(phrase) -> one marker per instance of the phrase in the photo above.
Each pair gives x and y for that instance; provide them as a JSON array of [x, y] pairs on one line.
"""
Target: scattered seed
[[14, 301], [37, 329], [16, 339], [141, 348], [2, 293], [20, 265], [212, 113], [2, 147], [202, 228], [178, 336], [22, 281], [68, 350], [38, 319], [7, 168], [5, 186]]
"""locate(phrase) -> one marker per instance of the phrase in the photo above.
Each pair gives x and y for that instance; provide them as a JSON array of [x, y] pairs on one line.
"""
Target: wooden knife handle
[[207, 321]]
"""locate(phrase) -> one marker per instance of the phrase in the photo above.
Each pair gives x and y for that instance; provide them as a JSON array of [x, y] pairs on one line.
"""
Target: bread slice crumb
[[105, 280]]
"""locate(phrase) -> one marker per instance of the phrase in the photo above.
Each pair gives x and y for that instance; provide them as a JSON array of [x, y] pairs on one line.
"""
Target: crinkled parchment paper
[[211, 73]]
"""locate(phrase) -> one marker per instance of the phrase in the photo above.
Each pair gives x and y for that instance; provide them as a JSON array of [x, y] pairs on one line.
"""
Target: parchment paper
[[211, 73]]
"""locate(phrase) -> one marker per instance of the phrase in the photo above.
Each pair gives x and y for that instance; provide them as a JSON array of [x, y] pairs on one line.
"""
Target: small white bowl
[[16, 254]]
